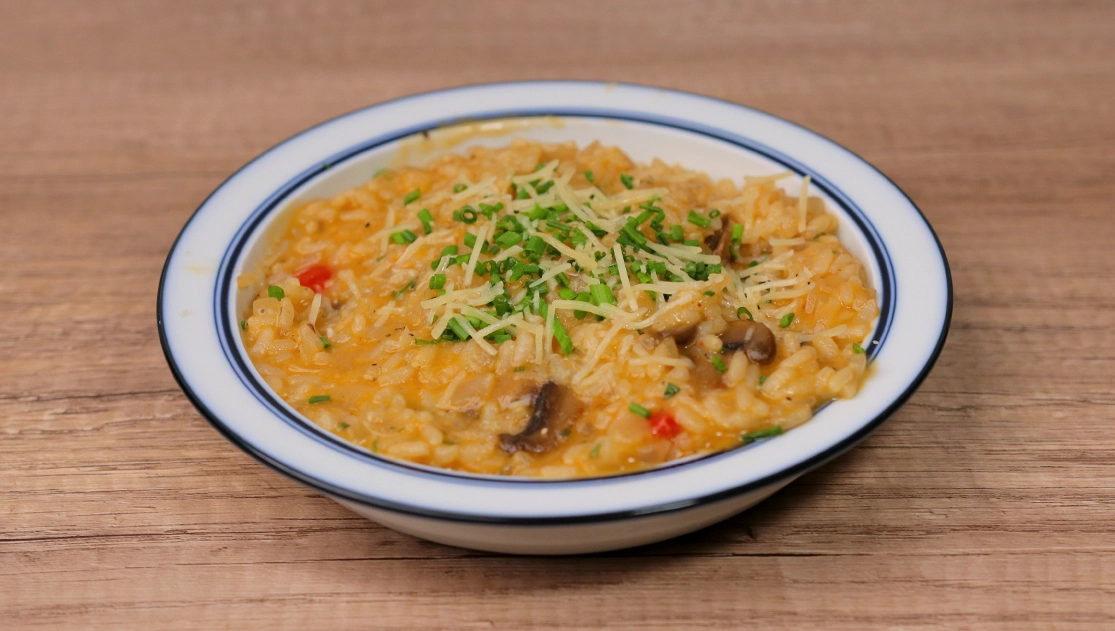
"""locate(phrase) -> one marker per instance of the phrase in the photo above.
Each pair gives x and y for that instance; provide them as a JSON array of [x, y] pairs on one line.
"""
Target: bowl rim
[[274, 198]]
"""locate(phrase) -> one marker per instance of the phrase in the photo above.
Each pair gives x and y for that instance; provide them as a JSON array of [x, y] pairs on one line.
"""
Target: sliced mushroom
[[683, 335], [703, 374], [555, 408], [719, 241], [753, 338]]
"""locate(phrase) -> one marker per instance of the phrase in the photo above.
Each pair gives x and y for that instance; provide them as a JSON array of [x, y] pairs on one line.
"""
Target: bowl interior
[[642, 141]]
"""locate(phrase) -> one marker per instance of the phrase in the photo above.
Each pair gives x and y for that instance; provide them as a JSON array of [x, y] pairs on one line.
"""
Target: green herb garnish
[[786, 320], [595, 451], [718, 363], [437, 281], [243, 325], [404, 237], [744, 311], [671, 390], [751, 437], [427, 220], [411, 196], [627, 180], [856, 348], [325, 342], [276, 292], [320, 398], [458, 328], [698, 220], [638, 409], [588, 176]]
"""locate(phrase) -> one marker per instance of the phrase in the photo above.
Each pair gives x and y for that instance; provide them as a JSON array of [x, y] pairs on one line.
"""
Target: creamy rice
[[544, 310]]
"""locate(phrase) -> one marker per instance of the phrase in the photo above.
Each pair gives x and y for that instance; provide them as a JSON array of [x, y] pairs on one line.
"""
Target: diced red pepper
[[315, 277], [663, 425]]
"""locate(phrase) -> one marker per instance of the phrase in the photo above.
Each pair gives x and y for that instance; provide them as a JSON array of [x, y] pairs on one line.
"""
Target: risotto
[[545, 310]]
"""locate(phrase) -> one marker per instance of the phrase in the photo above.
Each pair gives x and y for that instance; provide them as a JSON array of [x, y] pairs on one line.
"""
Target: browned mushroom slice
[[683, 335], [719, 241], [703, 374], [754, 338], [555, 408]]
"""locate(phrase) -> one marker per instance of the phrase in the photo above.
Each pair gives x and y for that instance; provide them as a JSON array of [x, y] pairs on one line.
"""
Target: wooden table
[[986, 503]]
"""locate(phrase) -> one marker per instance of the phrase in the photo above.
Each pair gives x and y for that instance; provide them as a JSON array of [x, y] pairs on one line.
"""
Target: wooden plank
[[984, 504]]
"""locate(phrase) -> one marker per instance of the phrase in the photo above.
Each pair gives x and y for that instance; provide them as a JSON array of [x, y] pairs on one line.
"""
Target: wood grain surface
[[985, 503]]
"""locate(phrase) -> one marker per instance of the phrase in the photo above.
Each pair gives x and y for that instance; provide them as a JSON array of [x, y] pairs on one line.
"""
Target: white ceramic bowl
[[199, 305]]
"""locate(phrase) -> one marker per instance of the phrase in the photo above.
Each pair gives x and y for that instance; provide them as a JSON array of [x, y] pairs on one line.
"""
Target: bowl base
[[565, 538]]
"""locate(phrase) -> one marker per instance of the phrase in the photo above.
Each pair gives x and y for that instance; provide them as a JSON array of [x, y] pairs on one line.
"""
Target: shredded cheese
[[618, 253], [475, 256]]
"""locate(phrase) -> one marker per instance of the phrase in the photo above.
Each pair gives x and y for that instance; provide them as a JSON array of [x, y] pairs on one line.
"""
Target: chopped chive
[[786, 320], [243, 325], [325, 341], [404, 237], [508, 239], [520, 369], [676, 233], [752, 264], [276, 292], [537, 212], [698, 220], [342, 425], [714, 213], [395, 295], [710, 293], [320, 398], [819, 235], [601, 295], [627, 180], [543, 187], [595, 451], [671, 390], [588, 176], [427, 220], [437, 281], [856, 348], [718, 363], [691, 242], [640, 410], [583, 296], [744, 311], [411, 196], [737, 233], [559, 226], [422, 342], [457, 188], [449, 250], [458, 329], [535, 244], [562, 337], [470, 239], [751, 437], [762, 379], [466, 215]]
